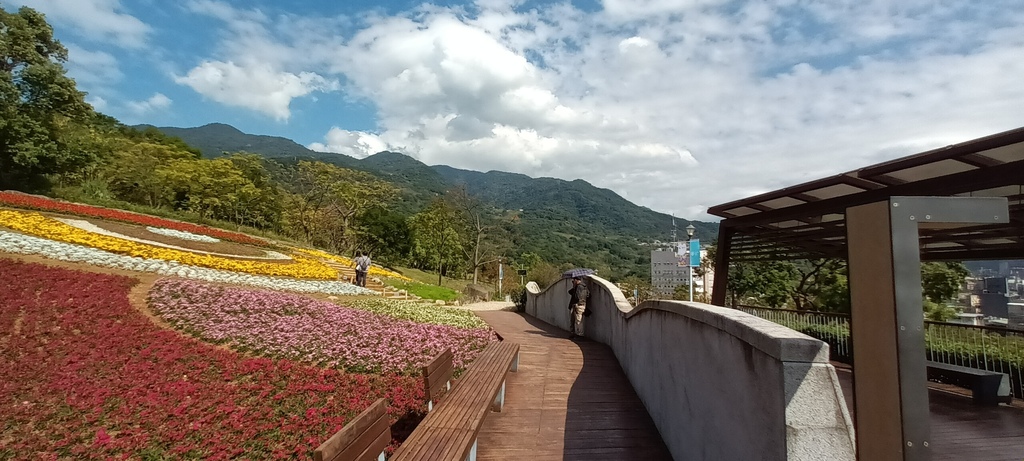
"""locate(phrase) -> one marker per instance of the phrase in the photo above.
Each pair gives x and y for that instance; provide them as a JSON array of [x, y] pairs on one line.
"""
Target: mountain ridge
[[558, 217]]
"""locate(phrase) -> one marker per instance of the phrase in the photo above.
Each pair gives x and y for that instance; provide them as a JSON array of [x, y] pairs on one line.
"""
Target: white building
[[668, 270]]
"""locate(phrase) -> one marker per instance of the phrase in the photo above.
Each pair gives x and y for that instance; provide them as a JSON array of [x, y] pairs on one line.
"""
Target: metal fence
[[984, 348], [831, 328]]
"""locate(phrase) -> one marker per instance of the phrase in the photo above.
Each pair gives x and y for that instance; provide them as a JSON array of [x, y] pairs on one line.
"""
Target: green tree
[[211, 188], [130, 167], [821, 285], [328, 200], [941, 281], [261, 205], [479, 230], [385, 234], [766, 283], [435, 237], [40, 107]]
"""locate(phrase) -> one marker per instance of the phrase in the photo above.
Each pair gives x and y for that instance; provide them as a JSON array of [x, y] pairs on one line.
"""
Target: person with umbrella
[[578, 295]]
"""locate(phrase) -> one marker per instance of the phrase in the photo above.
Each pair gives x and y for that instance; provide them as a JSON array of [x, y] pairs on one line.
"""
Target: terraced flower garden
[[223, 359]]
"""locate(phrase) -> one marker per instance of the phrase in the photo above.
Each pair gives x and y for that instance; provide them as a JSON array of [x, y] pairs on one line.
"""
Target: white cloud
[[676, 104], [92, 67], [352, 143], [97, 103], [102, 20], [156, 102], [255, 86]]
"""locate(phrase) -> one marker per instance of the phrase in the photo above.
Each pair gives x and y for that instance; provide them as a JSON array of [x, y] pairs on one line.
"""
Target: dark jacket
[[578, 295]]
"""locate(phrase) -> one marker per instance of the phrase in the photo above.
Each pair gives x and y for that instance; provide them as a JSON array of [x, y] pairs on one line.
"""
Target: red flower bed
[[47, 204], [86, 376]]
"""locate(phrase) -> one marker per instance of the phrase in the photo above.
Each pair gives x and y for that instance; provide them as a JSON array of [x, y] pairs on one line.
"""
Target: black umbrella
[[577, 272]]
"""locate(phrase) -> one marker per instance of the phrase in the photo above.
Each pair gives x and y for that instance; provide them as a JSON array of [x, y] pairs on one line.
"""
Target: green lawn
[[425, 291], [430, 278]]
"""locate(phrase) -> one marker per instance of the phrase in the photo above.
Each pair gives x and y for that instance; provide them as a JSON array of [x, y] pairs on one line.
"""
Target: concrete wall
[[718, 383]]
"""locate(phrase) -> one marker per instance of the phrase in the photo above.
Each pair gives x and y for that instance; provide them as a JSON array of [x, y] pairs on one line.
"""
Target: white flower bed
[[90, 227], [183, 235], [25, 244]]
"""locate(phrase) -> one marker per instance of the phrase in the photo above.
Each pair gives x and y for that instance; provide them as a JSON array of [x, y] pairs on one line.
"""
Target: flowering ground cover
[[374, 270], [12, 242], [47, 204], [41, 226], [184, 235], [420, 312], [312, 331], [86, 376]]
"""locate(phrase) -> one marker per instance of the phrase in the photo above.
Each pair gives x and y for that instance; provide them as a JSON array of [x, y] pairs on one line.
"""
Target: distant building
[[670, 268], [668, 271]]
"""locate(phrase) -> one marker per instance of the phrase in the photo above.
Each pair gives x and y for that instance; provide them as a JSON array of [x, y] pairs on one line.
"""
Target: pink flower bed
[[47, 204], [296, 327], [86, 376]]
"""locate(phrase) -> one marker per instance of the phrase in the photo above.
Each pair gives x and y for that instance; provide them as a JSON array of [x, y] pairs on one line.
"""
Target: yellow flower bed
[[41, 226], [374, 270]]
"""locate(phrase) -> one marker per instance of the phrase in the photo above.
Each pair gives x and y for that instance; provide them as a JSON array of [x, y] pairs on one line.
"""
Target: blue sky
[[675, 104]]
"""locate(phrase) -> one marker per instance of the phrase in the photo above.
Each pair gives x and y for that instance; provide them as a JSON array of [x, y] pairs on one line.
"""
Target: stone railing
[[718, 383]]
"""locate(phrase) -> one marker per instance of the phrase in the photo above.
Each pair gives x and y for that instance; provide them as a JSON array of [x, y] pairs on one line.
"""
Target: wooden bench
[[987, 387], [449, 432], [437, 377], [362, 439]]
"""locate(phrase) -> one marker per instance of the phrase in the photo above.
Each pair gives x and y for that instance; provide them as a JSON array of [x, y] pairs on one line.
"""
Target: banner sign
[[695, 253]]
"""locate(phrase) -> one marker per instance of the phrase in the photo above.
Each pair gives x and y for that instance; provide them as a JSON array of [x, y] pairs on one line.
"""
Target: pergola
[[960, 202]]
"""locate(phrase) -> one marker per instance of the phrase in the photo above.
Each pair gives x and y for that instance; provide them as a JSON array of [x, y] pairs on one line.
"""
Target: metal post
[[887, 321], [689, 270]]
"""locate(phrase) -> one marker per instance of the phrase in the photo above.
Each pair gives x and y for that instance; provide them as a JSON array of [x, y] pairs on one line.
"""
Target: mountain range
[[561, 221]]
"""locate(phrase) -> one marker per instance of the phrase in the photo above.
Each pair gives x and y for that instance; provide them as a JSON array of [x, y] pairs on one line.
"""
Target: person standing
[[362, 267], [578, 295]]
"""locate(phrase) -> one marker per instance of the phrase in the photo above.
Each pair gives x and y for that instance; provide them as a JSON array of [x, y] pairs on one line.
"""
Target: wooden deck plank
[[962, 430], [569, 400]]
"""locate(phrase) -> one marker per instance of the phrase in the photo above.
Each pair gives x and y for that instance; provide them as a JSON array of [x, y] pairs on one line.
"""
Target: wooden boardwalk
[[569, 400], [962, 430]]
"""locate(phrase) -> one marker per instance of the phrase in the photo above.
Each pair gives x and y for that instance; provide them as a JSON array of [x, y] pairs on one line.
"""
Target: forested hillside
[[563, 222]]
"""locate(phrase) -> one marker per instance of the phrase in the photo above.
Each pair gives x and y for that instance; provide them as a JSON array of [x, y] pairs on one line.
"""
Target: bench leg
[[515, 363], [430, 406], [472, 452], [499, 401]]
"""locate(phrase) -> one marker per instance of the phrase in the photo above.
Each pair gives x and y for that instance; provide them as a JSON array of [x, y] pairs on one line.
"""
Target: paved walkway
[[568, 401]]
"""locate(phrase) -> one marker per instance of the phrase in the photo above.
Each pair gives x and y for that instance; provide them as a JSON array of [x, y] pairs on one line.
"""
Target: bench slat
[[360, 432], [449, 432], [435, 382]]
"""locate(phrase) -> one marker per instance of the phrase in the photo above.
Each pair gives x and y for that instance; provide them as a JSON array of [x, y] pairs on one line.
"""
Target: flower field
[[298, 328], [46, 204], [25, 244], [420, 312], [374, 270], [184, 235], [86, 376], [41, 226]]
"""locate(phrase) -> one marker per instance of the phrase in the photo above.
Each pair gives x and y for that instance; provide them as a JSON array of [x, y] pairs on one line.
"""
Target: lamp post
[[689, 267]]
